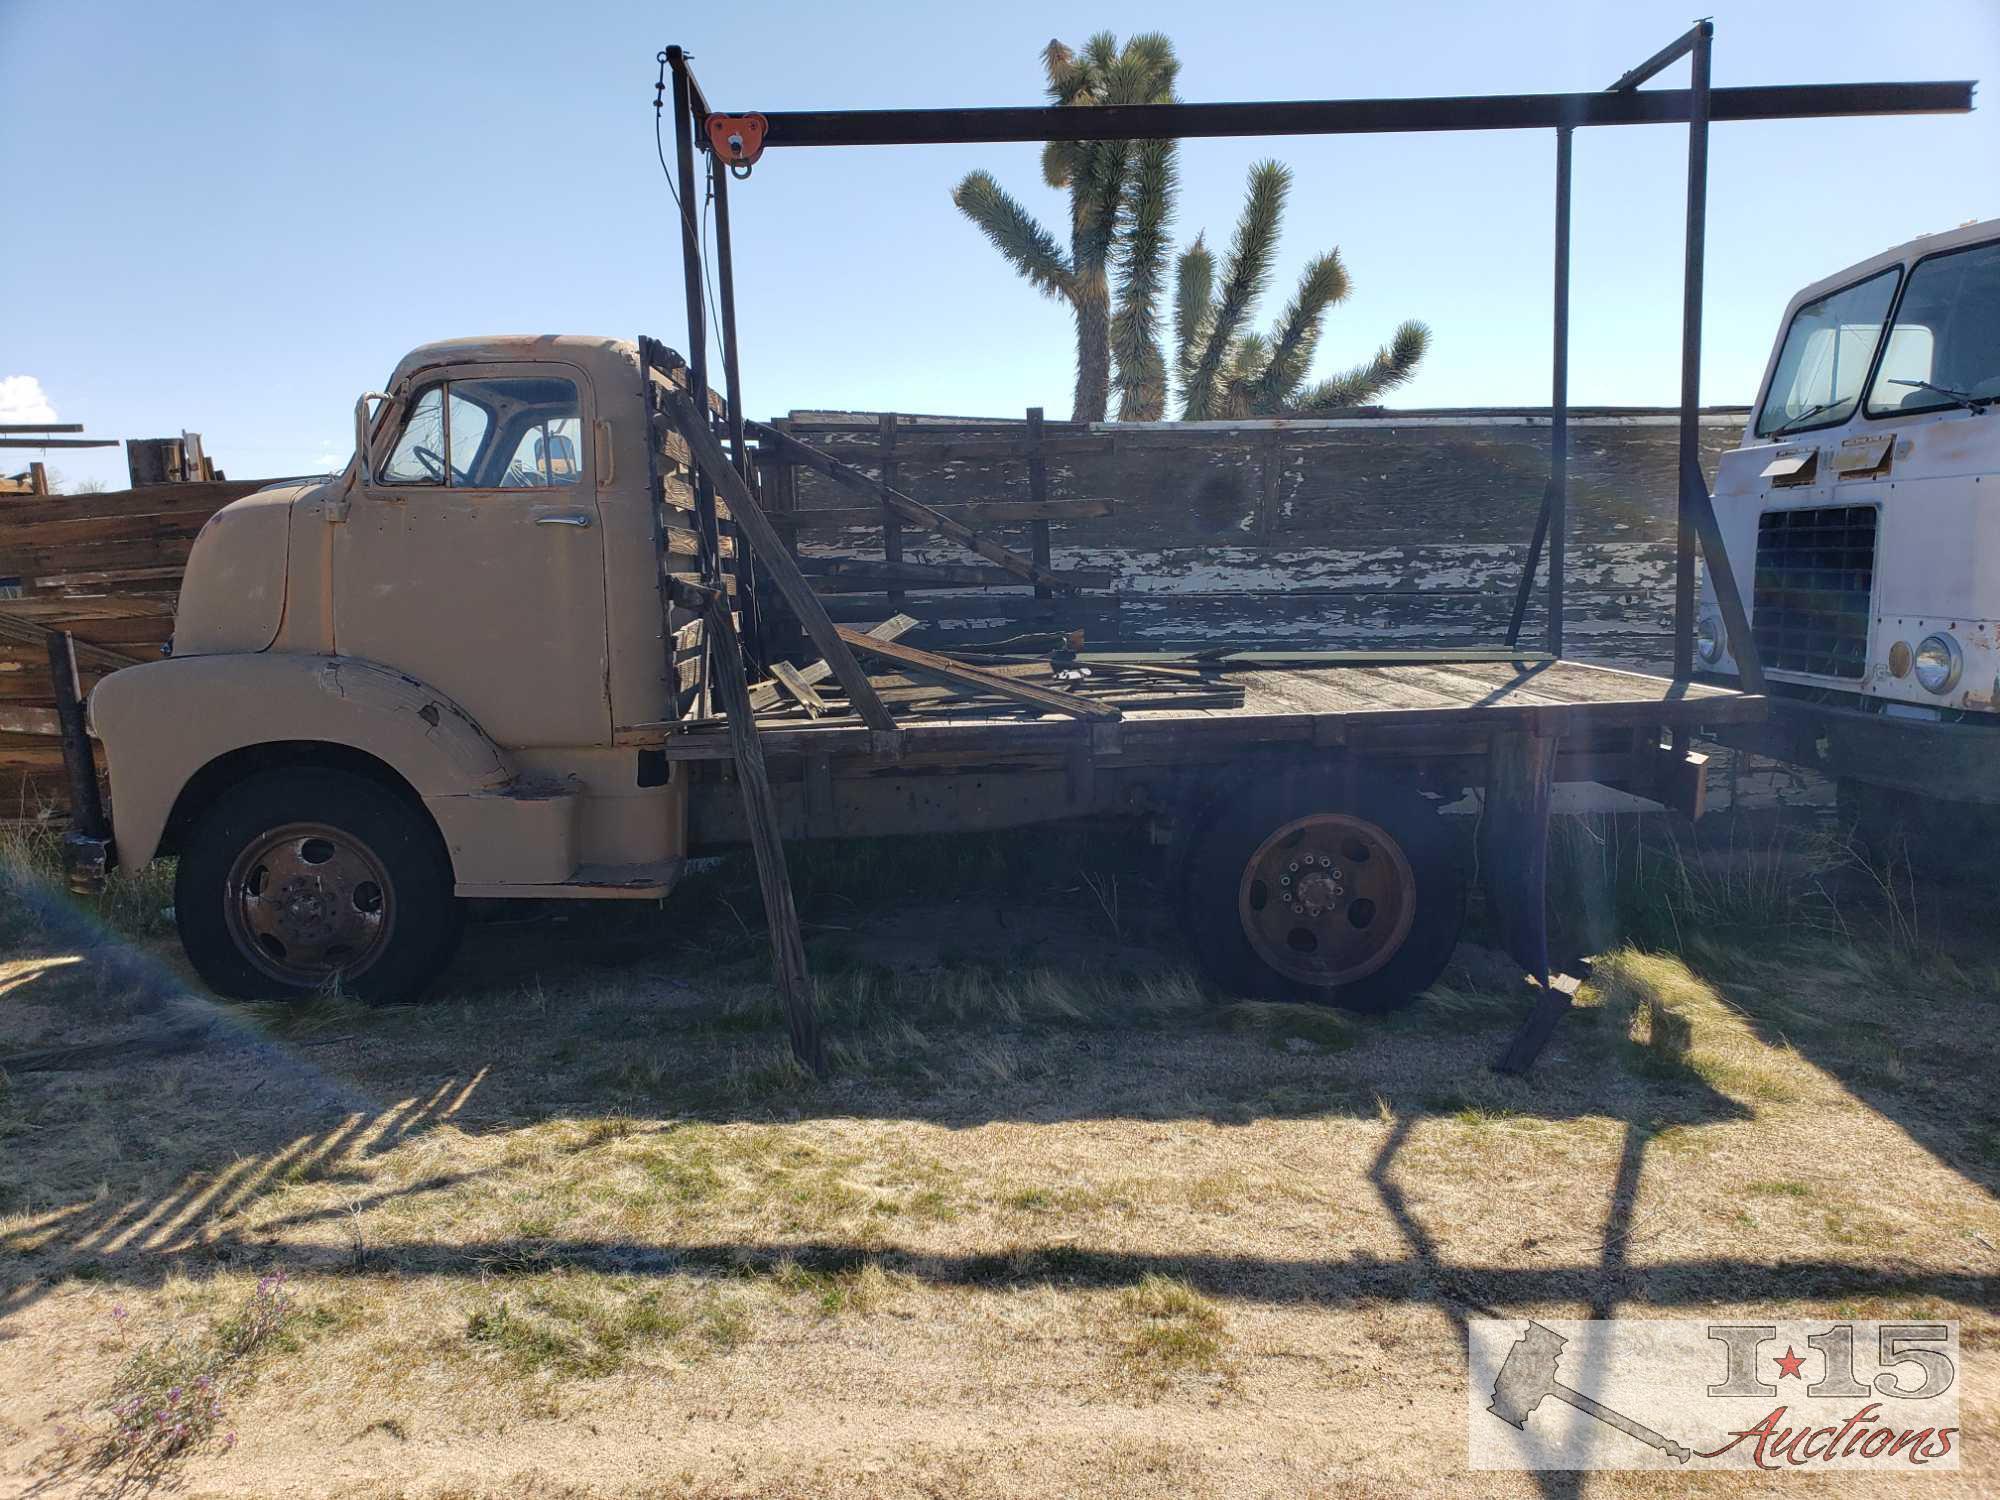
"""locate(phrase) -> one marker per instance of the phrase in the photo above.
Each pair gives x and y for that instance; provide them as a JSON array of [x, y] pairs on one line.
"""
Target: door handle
[[566, 518]]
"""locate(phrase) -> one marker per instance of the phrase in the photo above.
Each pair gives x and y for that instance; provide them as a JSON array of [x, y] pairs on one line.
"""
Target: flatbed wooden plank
[[1456, 685], [1217, 733], [1278, 659]]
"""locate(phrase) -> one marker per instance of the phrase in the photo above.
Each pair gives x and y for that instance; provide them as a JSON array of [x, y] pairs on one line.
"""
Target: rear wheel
[[299, 882], [1338, 888]]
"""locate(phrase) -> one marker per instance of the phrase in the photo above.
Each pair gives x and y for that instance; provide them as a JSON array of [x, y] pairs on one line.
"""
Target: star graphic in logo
[[1789, 1363]]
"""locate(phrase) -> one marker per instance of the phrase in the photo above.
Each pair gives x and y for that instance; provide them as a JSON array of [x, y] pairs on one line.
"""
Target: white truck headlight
[[1937, 663], [1708, 638]]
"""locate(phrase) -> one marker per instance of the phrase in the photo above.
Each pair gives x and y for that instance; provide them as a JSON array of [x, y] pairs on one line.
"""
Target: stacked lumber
[[1034, 676], [104, 567]]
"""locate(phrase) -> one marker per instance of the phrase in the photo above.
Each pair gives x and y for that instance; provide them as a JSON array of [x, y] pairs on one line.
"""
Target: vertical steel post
[[1559, 397], [739, 453], [86, 810], [1690, 444], [697, 320], [725, 271], [1038, 493], [892, 524]]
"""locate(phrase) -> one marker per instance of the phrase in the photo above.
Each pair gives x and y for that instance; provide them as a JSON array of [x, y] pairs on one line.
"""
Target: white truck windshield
[[1826, 356], [1945, 347]]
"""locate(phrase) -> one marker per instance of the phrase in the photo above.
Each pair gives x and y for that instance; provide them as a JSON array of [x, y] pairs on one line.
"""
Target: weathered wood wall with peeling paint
[[1379, 531]]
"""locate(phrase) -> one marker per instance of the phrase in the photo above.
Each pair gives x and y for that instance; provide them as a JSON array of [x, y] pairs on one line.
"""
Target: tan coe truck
[[462, 669]]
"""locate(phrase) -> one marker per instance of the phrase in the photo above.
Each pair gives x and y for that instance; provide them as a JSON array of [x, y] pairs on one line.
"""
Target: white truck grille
[[1814, 589]]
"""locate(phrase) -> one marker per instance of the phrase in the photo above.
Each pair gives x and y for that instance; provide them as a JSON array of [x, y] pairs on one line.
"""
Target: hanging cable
[[686, 216]]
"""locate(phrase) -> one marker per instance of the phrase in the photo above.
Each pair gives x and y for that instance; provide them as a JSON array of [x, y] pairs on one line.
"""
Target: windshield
[[1946, 342], [1826, 355]]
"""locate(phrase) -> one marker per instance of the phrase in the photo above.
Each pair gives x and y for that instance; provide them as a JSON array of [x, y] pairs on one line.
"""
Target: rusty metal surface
[[1327, 899]]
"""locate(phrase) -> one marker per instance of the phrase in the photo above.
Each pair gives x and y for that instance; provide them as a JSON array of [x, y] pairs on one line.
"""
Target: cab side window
[[547, 455], [503, 433], [419, 453]]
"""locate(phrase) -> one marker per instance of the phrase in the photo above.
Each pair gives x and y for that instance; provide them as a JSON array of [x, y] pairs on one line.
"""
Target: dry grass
[[580, 1228], [1167, 1327]]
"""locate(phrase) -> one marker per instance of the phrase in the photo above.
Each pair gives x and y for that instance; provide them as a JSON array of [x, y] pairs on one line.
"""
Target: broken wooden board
[[929, 664], [804, 692], [788, 954], [766, 694], [776, 560]]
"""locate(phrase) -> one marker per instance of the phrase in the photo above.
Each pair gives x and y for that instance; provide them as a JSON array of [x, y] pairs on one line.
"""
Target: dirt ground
[[1059, 1223]]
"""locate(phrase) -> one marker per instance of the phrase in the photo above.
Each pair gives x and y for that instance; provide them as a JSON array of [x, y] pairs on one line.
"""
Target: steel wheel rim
[[307, 903], [1327, 900]]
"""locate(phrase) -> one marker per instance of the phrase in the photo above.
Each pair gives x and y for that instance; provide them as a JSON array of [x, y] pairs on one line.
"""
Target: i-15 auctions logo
[[1785, 1396]]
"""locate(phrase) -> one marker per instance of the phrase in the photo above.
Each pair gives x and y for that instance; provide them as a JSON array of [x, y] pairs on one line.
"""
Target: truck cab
[[405, 684], [1861, 512]]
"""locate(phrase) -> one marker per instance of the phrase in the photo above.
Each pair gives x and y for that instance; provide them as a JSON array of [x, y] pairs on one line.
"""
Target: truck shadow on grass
[[584, 1075]]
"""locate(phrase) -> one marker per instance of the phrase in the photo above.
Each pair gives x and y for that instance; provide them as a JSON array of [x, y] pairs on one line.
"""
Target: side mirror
[[362, 426]]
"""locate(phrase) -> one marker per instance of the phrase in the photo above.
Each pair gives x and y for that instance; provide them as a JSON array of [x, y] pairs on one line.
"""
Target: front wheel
[[1339, 888], [306, 881]]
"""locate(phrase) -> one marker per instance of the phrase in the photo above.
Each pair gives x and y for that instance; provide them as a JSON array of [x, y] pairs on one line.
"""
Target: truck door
[[475, 560]]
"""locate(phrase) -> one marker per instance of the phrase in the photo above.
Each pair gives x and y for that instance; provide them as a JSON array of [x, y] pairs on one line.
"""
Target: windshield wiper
[[1957, 398], [1805, 416]]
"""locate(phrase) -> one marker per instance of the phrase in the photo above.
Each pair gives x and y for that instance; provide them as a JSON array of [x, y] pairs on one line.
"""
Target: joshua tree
[[1227, 372], [1121, 196]]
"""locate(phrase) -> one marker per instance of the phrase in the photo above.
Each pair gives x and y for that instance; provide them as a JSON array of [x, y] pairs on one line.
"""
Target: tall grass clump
[[31, 871], [1620, 879]]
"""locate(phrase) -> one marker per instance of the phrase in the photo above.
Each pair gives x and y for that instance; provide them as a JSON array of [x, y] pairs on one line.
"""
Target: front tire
[[1338, 888], [307, 881]]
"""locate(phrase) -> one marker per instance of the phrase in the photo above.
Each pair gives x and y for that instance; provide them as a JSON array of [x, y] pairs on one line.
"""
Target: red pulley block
[[737, 139]]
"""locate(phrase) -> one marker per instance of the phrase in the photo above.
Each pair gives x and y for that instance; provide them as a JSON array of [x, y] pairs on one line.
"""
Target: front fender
[[162, 722]]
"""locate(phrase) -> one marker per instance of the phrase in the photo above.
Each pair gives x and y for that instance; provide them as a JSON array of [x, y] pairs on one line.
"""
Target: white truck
[[1862, 517]]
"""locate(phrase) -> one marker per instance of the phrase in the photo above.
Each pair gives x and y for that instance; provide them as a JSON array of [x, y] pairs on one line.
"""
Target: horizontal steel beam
[[911, 127], [19, 442], [41, 426]]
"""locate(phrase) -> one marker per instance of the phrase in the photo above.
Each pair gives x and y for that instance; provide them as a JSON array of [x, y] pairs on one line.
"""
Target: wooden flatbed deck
[[1444, 707]]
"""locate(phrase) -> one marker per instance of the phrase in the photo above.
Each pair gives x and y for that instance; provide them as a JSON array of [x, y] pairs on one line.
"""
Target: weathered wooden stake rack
[[1537, 710]]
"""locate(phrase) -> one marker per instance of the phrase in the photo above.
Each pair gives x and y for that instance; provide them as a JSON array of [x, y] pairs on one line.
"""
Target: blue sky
[[234, 218]]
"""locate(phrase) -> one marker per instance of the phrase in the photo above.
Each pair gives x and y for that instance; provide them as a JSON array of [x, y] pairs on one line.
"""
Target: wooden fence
[[106, 567]]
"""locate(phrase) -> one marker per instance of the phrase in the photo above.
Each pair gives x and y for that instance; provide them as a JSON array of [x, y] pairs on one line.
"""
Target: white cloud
[[22, 400]]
